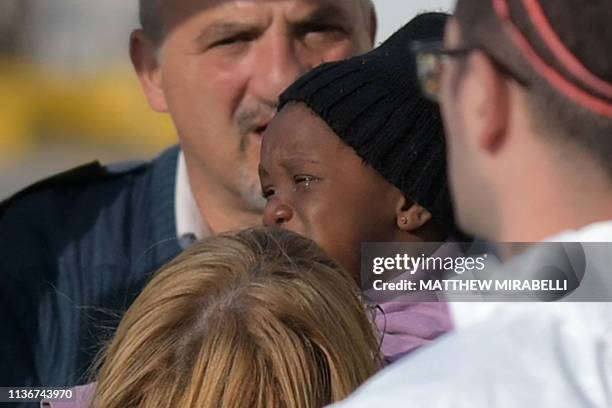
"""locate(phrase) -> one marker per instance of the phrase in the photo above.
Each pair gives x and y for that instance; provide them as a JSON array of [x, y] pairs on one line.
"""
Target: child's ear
[[411, 216]]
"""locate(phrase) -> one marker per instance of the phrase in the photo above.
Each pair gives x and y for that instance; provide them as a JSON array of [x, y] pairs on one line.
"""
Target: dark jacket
[[75, 250]]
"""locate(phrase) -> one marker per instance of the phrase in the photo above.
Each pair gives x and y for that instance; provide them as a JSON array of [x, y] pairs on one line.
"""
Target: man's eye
[[226, 41], [233, 40], [318, 35], [304, 180], [320, 28]]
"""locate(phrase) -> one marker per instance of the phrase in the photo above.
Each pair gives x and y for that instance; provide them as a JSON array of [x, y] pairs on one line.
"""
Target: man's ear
[[489, 94], [411, 216], [145, 60], [373, 26]]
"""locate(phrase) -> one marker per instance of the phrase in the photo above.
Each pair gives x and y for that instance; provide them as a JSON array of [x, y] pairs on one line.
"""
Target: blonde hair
[[260, 318]]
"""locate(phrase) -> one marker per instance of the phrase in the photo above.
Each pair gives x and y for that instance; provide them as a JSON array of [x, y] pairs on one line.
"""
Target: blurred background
[[67, 91]]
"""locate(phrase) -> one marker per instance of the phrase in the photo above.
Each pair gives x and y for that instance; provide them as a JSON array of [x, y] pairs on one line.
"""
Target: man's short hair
[[585, 30], [149, 12]]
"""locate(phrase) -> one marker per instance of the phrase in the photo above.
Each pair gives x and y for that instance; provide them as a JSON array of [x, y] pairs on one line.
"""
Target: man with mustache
[[77, 248]]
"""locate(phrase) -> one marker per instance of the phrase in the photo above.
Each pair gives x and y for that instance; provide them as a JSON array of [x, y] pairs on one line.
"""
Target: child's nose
[[277, 213]]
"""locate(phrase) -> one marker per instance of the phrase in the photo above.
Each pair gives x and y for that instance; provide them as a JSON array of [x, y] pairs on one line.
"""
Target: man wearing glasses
[[525, 88]]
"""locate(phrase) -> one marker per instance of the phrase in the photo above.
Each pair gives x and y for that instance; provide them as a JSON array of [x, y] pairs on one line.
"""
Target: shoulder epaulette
[[83, 174]]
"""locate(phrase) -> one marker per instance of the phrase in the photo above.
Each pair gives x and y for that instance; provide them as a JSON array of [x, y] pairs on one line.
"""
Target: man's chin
[[250, 191]]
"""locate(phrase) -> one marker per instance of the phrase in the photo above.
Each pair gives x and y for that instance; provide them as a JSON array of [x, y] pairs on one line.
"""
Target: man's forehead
[[176, 10]]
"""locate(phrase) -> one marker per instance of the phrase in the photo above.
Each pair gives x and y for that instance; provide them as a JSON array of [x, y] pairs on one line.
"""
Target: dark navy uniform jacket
[[75, 250]]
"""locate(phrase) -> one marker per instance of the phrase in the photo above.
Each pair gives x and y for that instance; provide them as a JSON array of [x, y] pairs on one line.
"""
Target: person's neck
[[549, 222], [221, 210], [537, 208]]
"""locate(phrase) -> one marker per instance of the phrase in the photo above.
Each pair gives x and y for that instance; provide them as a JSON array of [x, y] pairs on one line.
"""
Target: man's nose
[[278, 64], [277, 213]]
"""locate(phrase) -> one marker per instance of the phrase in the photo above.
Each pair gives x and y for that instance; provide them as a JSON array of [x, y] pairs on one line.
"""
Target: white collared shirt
[[508, 355], [467, 313], [189, 220]]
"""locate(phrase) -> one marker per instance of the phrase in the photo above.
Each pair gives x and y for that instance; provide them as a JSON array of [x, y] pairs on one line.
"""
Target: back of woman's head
[[260, 318]]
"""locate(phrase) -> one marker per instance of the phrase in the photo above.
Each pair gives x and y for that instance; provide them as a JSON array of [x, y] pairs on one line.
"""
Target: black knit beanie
[[373, 103]]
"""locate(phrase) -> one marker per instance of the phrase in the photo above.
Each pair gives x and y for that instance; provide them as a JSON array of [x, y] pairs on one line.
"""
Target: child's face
[[319, 187]]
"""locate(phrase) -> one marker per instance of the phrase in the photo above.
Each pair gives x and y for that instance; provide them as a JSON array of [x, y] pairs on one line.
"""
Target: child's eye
[[304, 180], [267, 192]]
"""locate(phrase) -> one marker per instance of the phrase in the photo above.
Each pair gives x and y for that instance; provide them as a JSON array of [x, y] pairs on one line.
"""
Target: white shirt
[[189, 221], [508, 355]]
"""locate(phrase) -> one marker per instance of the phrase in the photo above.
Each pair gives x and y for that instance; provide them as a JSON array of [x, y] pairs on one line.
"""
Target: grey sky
[[392, 14]]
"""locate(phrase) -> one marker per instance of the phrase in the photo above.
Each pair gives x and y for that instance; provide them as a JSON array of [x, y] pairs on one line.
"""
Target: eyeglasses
[[430, 58]]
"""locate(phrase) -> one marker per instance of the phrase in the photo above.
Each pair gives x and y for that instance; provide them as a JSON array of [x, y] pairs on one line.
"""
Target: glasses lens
[[429, 68]]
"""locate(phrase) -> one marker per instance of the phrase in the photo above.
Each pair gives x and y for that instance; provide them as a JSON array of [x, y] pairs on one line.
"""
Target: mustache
[[249, 119]]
